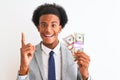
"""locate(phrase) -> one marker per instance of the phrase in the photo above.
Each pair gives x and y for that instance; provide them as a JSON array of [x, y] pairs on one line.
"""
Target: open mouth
[[48, 35]]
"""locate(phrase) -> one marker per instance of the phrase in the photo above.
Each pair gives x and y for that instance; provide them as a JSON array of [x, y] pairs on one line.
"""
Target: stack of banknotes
[[74, 42]]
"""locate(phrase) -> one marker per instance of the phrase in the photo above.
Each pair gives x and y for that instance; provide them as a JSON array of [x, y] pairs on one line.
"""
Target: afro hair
[[50, 9]]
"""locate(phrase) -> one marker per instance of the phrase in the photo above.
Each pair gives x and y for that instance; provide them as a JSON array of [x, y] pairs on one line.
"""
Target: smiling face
[[49, 27]]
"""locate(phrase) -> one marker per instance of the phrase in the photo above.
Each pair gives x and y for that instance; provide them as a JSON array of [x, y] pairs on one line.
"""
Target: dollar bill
[[78, 42], [74, 42]]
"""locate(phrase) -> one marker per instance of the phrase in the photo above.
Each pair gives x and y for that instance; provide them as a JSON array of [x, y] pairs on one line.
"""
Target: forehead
[[49, 18]]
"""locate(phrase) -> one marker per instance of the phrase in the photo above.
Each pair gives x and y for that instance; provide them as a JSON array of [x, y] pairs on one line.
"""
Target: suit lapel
[[38, 56], [64, 62], [69, 71]]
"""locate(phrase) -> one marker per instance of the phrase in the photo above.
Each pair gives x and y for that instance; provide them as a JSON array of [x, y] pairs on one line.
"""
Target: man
[[50, 19]]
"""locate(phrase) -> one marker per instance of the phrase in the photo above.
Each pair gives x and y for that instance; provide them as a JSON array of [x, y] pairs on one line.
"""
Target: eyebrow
[[54, 22], [51, 22]]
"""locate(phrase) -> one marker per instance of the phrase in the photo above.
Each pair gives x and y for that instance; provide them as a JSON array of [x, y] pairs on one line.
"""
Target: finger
[[83, 60], [83, 55], [28, 48], [80, 59], [83, 63], [23, 39]]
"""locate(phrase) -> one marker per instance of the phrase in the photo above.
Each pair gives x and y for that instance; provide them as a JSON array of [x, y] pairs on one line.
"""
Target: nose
[[48, 28]]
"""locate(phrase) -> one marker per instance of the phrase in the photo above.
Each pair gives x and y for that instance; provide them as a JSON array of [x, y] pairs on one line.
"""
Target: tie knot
[[51, 53]]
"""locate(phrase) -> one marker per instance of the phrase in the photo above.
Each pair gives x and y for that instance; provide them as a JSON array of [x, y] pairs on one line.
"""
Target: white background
[[99, 20]]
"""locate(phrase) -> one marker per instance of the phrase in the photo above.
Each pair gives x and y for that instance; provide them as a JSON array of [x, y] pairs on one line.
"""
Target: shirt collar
[[47, 50]]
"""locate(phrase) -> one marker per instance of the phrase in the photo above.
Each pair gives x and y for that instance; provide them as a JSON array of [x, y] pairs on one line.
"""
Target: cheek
[[57, 31], [39, 29]]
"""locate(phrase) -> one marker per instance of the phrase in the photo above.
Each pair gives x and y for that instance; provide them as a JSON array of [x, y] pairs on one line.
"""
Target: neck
[[52, 45]]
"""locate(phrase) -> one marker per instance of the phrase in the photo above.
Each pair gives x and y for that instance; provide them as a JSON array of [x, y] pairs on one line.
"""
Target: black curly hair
[[48, 8]]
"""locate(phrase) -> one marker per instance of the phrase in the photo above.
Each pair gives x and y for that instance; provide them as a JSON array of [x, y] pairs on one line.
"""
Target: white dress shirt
[[57, 57]]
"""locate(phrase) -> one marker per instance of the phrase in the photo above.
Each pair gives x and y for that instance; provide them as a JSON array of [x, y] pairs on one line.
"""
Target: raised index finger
[[23, 39]]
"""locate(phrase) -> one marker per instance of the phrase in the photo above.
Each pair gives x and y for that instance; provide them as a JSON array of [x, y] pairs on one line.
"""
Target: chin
[[48, 42]]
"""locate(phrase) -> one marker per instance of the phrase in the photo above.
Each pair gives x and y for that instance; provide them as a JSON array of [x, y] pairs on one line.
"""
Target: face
[[49, 28]]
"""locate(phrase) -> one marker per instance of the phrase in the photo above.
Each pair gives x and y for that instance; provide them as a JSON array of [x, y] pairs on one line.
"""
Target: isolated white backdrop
[[99, 20]]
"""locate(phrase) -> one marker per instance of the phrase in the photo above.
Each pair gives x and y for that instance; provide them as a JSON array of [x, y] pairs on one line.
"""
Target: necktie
[[51, 67]]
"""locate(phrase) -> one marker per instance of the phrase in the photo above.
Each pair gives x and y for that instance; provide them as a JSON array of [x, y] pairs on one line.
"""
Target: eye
[[43, 24], [54, 25]]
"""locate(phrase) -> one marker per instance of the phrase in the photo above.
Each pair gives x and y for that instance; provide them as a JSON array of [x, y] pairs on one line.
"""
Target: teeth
[[49, 35]]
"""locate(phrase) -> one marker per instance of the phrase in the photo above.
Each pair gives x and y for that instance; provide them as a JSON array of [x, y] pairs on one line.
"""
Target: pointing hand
[[27, 51]]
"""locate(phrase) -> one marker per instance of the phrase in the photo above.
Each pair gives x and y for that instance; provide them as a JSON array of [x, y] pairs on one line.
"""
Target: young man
[[50, 19]]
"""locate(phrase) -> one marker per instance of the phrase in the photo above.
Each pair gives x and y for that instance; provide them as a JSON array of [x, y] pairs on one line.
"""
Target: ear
[[38, 28], [60, 28]]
